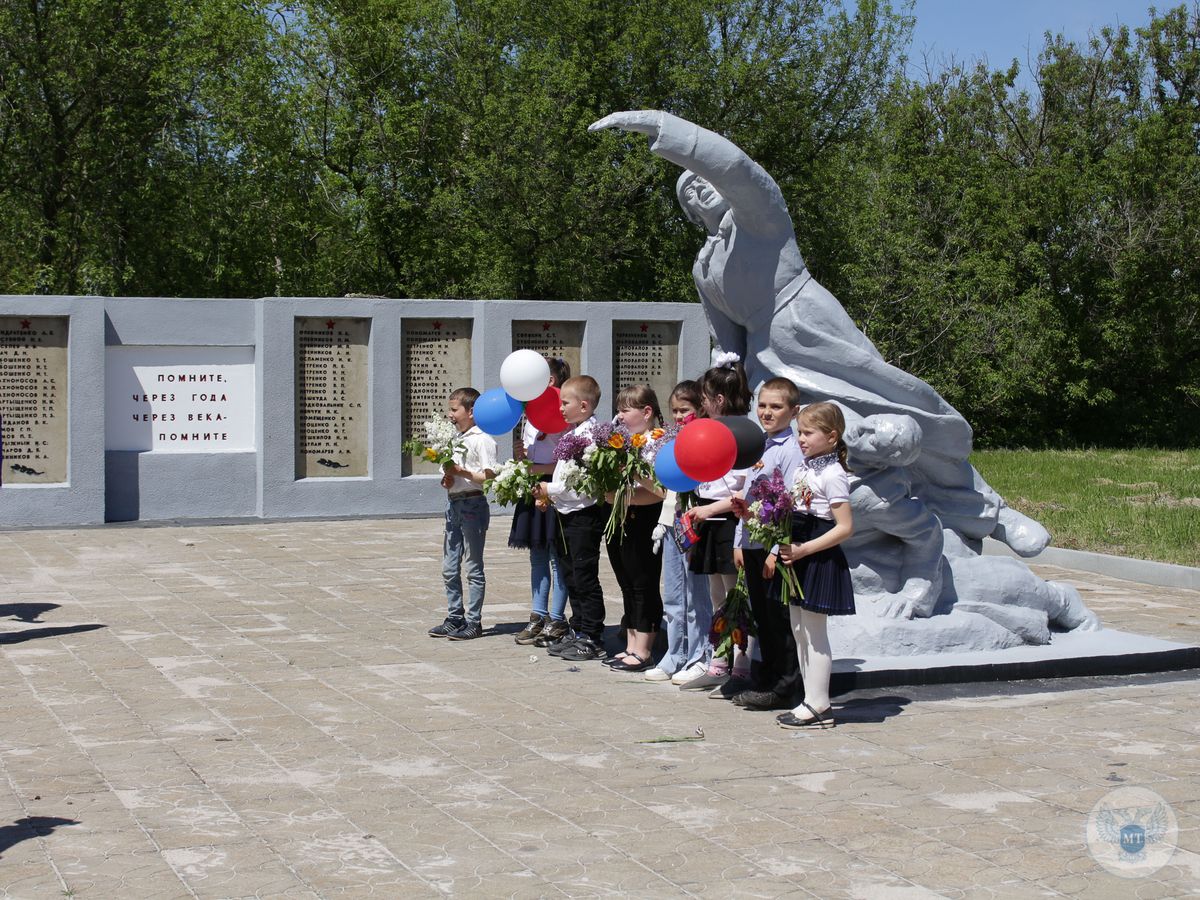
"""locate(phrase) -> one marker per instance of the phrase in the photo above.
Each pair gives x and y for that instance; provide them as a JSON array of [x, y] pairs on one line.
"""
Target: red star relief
[[545, 326], [437, 326], [645, 327], [329, 324], [25, 323]]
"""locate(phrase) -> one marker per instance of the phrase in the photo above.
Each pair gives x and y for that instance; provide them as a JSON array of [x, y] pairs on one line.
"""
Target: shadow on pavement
[[30, 827], [26, 612], [30, 634]]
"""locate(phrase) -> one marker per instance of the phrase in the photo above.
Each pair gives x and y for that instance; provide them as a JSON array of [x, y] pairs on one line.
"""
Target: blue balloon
[[668, 473], [497, 413]]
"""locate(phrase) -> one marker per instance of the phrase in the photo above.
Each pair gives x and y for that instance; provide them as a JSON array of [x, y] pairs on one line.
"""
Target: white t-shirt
[[728, 485], [539, 452], [821, 481], [478, 452]]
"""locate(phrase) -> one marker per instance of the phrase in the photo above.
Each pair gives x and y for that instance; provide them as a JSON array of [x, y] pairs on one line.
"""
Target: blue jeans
[[466, 528], [688, 610], [545, 577]]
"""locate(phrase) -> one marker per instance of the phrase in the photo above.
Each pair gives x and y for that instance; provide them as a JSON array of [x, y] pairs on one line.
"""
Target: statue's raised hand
[[646, 121]]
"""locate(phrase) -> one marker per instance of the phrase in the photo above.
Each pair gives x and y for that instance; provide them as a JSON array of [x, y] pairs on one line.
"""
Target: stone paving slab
[[254, 710]]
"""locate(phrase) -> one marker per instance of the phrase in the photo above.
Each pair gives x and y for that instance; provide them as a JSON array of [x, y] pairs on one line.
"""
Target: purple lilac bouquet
[[770, 523], [572, 450]]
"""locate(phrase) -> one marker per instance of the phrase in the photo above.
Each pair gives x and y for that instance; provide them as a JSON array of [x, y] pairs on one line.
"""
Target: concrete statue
[[921, 511]]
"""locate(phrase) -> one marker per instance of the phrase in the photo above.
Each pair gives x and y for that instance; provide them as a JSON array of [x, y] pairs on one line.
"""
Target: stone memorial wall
[[436, 359], [118, 409], [331, 397], [33, 399]]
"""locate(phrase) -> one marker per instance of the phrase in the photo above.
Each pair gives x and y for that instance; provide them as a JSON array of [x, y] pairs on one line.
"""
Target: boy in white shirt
[[580, 533], [467, 519]]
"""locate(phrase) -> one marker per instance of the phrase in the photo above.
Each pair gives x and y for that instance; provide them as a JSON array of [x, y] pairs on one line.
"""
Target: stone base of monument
[[1068, 655]]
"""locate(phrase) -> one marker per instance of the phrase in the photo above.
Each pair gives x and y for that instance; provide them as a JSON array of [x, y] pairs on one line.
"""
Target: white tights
[[816, 658]]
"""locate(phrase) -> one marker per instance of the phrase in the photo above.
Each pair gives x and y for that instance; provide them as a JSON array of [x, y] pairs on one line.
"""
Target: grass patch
[[1138, 503]]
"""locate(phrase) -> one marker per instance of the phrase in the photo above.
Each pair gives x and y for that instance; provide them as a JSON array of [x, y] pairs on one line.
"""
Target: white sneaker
[[657, 674], [691, 673]]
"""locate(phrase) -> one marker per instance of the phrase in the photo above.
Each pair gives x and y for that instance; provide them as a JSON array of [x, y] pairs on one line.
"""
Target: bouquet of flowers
[[572, 450], [770, 523], [614, 467], [513, 483], [732, 624], [439, 442]]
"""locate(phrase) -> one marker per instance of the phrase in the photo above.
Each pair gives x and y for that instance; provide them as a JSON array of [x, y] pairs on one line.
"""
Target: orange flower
[[429, 454], [657, 433], [616, 442], [737, 636], [638, 441]]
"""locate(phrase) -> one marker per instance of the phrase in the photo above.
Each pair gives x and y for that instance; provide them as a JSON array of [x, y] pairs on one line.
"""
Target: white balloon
[[524, 375]]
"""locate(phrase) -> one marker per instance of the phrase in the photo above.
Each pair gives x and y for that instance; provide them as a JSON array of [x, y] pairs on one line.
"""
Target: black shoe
[[553, 633], [537, 623], [762, 700], [583, 649], [467, 632], [558, 647], [446, 628]]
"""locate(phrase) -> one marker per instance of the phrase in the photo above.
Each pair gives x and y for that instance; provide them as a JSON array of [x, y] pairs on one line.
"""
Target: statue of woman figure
[[763, 304], [908, 445]]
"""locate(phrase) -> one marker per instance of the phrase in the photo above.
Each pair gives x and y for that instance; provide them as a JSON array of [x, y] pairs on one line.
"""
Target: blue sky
[[972, 29]]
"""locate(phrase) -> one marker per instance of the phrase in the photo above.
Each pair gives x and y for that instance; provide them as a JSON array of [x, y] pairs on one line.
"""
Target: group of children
[[564, 530]]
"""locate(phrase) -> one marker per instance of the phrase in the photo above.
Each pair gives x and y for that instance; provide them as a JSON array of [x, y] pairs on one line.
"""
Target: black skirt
[[532, 527], [824, 576], [713, 553]]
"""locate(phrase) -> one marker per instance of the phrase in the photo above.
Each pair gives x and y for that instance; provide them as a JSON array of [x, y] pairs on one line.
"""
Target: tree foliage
[[1030, 251]]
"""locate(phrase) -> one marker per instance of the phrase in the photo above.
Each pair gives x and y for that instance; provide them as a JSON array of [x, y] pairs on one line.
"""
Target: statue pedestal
[[1068, 655]]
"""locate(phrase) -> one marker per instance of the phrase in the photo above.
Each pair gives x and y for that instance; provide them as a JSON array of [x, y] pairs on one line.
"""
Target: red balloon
[[545, 412], [705, 449]]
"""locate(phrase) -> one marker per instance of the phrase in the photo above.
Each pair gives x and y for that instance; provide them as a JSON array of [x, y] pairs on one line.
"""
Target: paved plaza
[[254, 710]]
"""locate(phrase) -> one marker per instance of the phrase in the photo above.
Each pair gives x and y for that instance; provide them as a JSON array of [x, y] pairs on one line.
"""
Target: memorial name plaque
[[561, 339], [33, 399], [331, 397], [436, 360], [179, 399], [646, 353]]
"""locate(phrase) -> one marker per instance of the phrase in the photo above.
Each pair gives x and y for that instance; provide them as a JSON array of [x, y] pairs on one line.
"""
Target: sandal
[[627, 666], [616, 658], [818, 720]]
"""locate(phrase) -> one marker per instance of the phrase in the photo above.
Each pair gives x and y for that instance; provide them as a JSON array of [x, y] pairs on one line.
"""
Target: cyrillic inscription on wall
[[179, 399], [436, 359], [561, 339], [647, 353], [33, 399], [332, 415]]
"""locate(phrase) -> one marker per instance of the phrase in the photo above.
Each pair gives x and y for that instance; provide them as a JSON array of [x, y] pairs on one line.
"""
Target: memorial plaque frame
[[435, 359], [34, 392], [332, 421], [645, 351]]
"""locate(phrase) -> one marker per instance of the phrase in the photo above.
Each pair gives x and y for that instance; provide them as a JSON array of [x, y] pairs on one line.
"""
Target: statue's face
[[704, 203]]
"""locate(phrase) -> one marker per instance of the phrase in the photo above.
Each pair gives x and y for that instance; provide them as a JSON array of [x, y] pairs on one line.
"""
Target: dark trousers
[[638, 568], [779, 669], [580, 535]]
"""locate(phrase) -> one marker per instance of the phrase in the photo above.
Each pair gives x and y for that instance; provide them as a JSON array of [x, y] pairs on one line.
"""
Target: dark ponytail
[[729, 381]]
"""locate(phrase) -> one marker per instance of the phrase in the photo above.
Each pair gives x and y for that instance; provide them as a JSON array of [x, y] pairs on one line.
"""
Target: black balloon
[[750, 439]]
